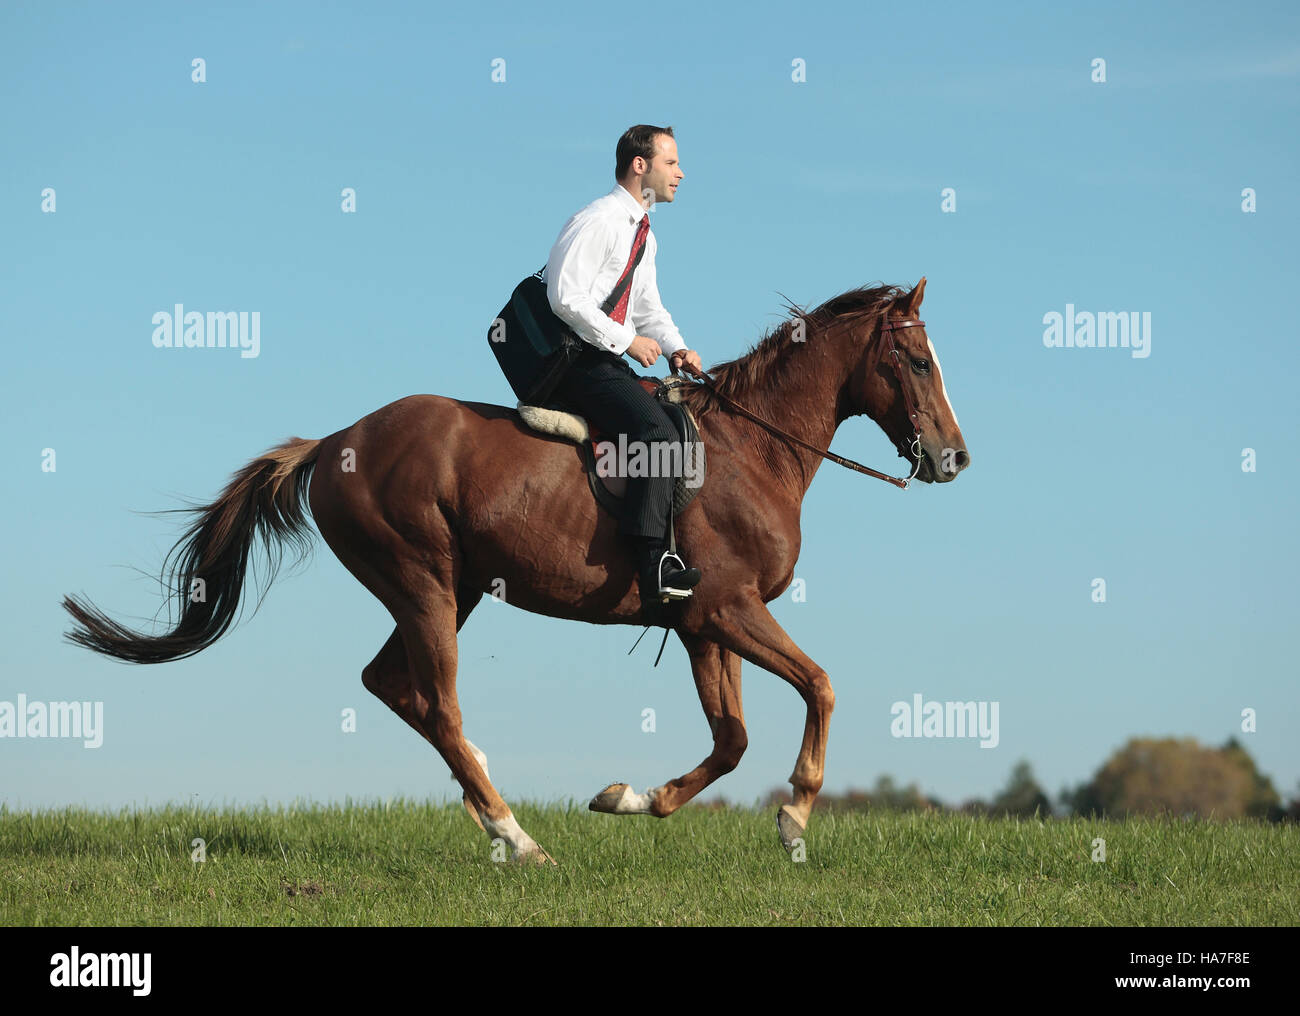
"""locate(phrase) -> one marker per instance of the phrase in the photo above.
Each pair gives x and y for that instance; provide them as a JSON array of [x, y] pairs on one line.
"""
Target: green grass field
[[420, 864]]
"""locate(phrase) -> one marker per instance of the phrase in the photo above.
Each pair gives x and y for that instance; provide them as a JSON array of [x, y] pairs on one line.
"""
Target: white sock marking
[[634, 804], [509, 830]]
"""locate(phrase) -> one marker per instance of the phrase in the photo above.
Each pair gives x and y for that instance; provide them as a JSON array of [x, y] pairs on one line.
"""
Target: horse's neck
[[809, 402]]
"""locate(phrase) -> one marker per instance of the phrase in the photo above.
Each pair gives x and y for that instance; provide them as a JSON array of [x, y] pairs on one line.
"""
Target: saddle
[[595, 445]]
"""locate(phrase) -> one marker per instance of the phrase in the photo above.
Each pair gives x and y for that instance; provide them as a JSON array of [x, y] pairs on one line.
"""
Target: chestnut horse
[[431, 502]]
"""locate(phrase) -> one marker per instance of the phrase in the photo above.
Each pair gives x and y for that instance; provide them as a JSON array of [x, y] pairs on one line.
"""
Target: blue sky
[[1117, 196]]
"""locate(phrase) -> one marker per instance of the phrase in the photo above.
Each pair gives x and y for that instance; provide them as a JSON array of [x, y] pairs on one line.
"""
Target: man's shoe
[[674, 576], [664, 576]]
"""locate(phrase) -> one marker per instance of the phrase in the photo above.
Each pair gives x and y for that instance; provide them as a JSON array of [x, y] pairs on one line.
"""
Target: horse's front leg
[[747, 628], [717, 679]]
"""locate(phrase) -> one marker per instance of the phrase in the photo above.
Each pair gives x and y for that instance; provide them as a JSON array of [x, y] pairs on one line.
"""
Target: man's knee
[[656, 432]]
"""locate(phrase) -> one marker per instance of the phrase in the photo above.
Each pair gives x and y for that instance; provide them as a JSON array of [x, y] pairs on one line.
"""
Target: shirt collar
[[635, 210]]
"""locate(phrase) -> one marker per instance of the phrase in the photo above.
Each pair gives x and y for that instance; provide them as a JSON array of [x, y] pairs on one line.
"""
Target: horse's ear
[[915, 298]]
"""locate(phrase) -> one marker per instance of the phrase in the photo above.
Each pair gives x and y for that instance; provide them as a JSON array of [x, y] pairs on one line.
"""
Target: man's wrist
[[617, 343]]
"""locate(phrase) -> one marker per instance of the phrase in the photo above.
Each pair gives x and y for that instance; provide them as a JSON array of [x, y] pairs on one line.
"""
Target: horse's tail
[[204, 571]]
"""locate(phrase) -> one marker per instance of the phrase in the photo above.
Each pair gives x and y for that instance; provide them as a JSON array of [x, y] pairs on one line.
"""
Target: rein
[[887, 329]]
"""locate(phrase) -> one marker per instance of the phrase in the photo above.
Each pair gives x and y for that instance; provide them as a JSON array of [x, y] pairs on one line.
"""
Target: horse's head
[[898, 353]]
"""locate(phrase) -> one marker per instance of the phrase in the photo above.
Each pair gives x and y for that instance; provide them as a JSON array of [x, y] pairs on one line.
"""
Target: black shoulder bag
[[533, 345]]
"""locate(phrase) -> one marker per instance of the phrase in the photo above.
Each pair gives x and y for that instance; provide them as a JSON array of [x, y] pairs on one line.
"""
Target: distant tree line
[[1145, 777]]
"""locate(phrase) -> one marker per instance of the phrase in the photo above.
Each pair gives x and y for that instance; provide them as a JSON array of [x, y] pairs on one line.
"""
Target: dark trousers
[[603, 387]]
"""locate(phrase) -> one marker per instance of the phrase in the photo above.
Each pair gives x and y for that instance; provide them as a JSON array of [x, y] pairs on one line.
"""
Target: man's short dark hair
[[638, 140]]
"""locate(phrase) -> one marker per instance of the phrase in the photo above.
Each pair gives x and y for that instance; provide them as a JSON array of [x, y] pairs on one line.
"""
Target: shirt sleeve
[[649, 315], [576, 259]]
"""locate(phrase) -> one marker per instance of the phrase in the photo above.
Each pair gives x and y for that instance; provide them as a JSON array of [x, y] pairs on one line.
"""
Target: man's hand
[[689, 358], [644, 350]]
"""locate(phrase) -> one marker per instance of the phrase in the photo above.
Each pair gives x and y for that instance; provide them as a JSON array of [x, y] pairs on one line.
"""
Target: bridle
[[887, 329]]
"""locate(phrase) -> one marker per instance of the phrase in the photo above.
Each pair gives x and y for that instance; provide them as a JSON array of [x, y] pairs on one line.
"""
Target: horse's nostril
[[963, 459]]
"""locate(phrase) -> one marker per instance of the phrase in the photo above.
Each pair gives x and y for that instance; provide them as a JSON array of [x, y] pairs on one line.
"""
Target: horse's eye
[[921, 366]]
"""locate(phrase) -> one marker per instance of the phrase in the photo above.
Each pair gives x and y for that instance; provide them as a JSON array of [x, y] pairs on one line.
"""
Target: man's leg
[[603, 388]]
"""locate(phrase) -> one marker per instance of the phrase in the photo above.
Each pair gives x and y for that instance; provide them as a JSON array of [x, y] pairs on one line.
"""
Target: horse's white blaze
[[935, 358], [634, 804], [510, 831]]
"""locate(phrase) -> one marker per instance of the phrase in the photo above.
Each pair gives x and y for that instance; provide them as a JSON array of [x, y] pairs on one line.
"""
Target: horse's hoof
[[608, 800], [534, 856], [789, 826]]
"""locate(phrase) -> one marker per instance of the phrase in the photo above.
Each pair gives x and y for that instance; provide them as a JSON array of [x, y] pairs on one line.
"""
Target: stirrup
[[667, 593]]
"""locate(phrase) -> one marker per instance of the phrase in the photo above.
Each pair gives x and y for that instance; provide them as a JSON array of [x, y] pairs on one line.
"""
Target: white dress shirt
[[586, 263]]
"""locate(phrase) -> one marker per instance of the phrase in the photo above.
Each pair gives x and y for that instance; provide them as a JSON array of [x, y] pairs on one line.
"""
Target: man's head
[[646, 163]]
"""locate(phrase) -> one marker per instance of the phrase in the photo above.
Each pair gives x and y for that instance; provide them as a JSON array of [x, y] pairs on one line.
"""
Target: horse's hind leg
[[388, 678], [428, 631], [381, 525], [415, 675]]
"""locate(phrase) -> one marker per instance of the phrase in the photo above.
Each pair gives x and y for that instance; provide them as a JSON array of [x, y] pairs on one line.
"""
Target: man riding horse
[[439, 512], [595, 251]]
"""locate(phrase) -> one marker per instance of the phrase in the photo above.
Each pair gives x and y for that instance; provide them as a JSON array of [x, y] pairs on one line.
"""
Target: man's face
[[664, 173]]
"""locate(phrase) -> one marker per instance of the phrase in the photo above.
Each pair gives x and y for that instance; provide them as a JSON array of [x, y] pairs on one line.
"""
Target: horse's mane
[[745, 379]]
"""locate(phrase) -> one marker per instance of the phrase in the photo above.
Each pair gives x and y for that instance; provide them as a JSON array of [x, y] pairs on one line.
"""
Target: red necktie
[[619, 313]]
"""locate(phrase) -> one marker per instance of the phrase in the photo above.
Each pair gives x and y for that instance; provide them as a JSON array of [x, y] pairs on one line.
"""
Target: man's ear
[[915, 297]]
